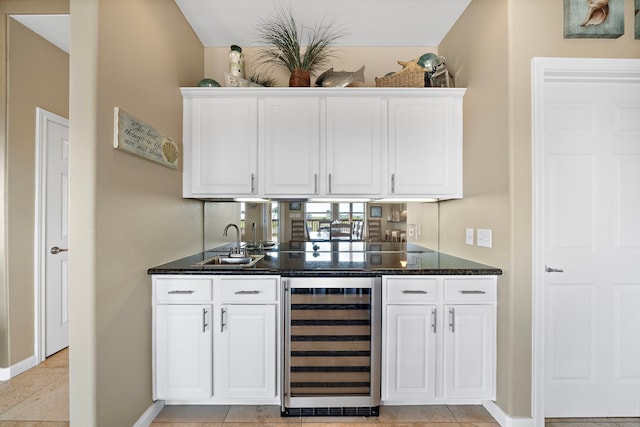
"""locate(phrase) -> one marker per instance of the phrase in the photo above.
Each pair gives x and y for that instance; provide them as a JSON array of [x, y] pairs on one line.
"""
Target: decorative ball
[[208, 83], [430, 61]]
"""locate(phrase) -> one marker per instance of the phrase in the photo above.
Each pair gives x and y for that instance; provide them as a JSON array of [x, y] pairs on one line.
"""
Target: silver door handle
[[247, 292], [452, 319], [56, 250], [222, 324], [253, 182], [433, 320], [411, 291], [204, 320], [393, 183], [315, 183], [553, 270], [329, 184], [472, 292]]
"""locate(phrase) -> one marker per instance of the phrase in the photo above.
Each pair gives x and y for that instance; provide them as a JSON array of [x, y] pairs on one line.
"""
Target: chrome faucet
[[226, 229]]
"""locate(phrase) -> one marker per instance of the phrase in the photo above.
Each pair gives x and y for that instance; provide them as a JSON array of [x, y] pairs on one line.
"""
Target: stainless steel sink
[[220, 261]]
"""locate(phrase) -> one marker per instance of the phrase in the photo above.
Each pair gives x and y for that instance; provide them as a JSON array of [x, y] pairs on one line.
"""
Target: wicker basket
[[406, 78]]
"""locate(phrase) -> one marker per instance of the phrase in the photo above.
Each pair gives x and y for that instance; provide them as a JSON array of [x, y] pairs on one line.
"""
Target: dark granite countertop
[[335, 258]]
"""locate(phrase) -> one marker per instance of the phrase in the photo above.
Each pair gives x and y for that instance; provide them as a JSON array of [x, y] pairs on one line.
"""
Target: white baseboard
[[7, 373], [505, 420], [150, 414]]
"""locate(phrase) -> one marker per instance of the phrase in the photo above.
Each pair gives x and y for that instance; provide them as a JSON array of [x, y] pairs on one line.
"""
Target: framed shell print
[[600, 19]]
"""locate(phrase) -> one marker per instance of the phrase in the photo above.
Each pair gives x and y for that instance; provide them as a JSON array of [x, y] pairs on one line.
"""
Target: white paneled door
[[55, 132], [590, 209]]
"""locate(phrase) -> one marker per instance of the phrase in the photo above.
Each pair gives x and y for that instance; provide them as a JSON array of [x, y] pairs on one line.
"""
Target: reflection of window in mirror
[[275, 222]]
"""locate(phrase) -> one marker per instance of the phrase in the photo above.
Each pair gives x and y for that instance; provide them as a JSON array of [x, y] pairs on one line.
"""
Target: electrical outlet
[[469, 236], [411, 230], [484, 238]]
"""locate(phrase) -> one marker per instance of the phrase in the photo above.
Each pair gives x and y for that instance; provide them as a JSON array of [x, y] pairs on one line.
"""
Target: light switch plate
[[484, 238], [469, 236]]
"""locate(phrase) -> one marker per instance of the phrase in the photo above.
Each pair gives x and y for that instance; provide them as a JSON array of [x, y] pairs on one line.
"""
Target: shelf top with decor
[[206, 92]]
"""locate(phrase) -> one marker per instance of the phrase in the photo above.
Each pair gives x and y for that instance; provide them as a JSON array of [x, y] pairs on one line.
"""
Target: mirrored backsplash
[[285, 221]]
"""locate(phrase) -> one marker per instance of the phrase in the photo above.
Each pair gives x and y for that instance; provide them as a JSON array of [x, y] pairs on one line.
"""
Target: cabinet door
[[469, 357], [425, 147], [353, 133], [409, 360], [291, 146], [245, 350], [221, 146], [183, 352]]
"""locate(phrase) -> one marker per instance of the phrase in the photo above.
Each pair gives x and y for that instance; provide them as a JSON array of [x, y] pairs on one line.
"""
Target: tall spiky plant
[[283, 43]]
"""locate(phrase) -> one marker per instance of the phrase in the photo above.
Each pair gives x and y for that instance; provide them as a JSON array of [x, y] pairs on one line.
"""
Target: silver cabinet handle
[[472, 292], [204, 320], [315, 183], [253, 183], [553, 270], [433, 320], [329, 184], [180, 292], [247, 292], [56, 250], [393, 182], [222, 324], [452, 319], [411, 291]]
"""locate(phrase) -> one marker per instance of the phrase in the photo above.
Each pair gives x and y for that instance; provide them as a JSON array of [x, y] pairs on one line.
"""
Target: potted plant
[[283, 45]]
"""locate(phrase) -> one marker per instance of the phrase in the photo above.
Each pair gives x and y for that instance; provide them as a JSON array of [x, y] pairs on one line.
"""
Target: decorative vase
[[300, 78]]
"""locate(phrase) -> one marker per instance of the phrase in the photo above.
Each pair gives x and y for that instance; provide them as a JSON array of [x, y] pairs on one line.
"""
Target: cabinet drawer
[[411, 289], [180, 290], [472, 289], [244, 289]]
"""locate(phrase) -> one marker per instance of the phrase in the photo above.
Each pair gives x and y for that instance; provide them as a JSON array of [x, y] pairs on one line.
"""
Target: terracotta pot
[[300, 78]]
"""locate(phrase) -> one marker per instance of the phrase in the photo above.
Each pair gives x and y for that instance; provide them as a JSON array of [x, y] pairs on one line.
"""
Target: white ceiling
[[55, 28], [408, 23], [366, 22]]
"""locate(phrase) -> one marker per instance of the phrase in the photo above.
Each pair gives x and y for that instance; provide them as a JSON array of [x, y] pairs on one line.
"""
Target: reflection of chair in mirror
[[298, 230], [340, 231], [374, 230]]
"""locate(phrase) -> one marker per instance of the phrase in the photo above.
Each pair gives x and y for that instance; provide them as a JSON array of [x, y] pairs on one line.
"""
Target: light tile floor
[[40, 398], [390, 416]]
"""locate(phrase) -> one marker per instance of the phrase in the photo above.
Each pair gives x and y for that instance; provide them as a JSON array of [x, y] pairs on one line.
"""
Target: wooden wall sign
[[600, 19], [136, 137]]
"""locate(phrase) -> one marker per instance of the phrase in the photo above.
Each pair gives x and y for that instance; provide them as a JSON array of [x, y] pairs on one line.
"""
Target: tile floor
[[40, 398]]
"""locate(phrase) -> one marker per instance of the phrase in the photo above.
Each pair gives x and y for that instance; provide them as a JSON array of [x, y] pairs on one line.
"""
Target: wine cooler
[[332, 346]]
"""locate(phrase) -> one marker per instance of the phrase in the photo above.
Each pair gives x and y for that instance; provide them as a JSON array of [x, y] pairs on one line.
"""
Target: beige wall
[[490, 50], [36, 75], [378, 61], [127, 213]]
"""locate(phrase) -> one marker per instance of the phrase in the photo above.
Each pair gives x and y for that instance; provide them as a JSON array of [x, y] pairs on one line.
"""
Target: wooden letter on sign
[[136, 137]]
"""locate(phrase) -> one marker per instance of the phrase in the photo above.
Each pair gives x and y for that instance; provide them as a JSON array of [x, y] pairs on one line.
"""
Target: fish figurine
[[597, 14], [332, 78]]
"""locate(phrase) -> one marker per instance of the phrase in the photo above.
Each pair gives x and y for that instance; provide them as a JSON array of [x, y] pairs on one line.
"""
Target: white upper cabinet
[[291, 141], [354, 130], [425, 147], [397, 143], [220, 147]]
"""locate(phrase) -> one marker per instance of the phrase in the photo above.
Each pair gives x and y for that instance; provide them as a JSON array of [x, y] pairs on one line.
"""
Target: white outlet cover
[[484, 238], [469, 236]]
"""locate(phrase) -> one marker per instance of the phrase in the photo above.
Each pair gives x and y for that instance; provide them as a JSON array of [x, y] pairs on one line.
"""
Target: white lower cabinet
[[245, 352], [469, 342], [410, 352], [216, 339], [438, 339], [183, 352]]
